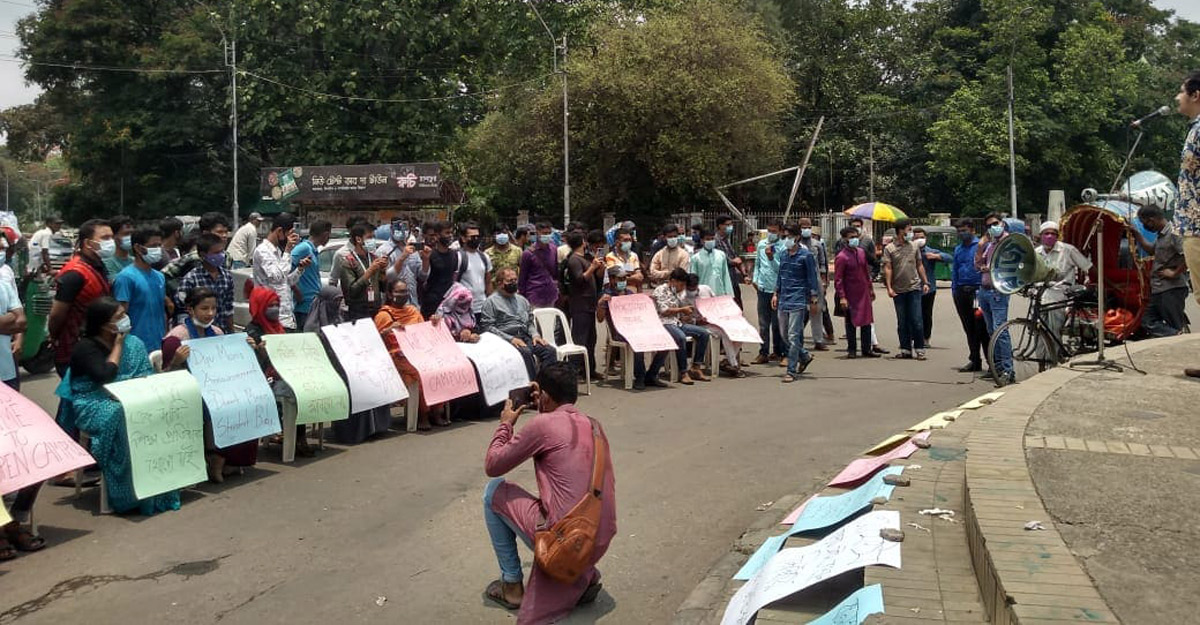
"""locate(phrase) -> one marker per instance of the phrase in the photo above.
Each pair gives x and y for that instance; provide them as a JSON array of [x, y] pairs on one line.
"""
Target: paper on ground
[[853, 546], [886, 444], [860, 469], [939, 420], [820, 513], [982, 400], [854, 609]]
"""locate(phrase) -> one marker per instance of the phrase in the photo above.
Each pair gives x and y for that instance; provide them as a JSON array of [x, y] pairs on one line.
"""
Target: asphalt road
[[391, 531]]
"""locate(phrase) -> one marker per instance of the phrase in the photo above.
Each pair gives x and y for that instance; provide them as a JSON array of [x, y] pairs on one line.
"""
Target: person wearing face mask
[[504, 254], [212, 275], [122, 227], [143, 290], [965, 282], [537, 278], [310, 277], [108, 353], [711, 264], [672, 256], [725, 244], [624, 257], [642, 377], [766, 274], [906, 281], [509, 315], [671, 301], [272, 265], [854, 293], [820, 254], [395, 314], [362, 274], [993, 303], [477, 276], [797, 295], [930, 257], [1068, 262], [585, 272], [732, 366]]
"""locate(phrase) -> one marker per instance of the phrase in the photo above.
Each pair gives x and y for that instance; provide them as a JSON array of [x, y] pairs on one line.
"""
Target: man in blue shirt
[[143, 289], [766, 274], [964, 285], [310, 280], [797, 294]]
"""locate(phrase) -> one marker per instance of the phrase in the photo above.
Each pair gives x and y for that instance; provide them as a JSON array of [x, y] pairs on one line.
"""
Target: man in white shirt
[[245, 240], [39, 244], [477, 275], [1068, 262], [272, 263]]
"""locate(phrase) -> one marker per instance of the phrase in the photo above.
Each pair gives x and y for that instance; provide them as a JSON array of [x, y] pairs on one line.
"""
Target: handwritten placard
[[33, 448], [724, 313], [500, 366], [854, 609], [300, 359], [239, 400], [855, 545], [370, 372], [636, 318], [164, 424], [862, 468], [444, 369]]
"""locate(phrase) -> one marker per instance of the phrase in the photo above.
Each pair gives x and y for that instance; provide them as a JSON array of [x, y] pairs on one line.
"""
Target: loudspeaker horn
[[1015, 265]]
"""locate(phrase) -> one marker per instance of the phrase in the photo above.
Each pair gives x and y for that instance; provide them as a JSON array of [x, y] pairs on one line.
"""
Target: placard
[[240, 403], [724, 313], [862, 468], [854, 609], [636, 318], [854, 546], [164, 424], [33, 448], [300, 359], [501, 367], [444, 369], [370, 371]]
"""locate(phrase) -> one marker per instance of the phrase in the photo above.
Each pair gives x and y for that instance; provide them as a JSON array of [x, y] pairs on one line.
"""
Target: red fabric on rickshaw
[[1126, 279]]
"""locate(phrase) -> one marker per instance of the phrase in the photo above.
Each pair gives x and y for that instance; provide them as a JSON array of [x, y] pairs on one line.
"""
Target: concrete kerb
[[1001, 497]]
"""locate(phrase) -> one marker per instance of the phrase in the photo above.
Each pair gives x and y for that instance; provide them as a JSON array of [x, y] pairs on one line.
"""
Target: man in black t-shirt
[[583, 270], [439, 268]]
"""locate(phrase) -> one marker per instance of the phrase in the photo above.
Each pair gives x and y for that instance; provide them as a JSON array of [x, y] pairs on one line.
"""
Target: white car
[[241, 306]]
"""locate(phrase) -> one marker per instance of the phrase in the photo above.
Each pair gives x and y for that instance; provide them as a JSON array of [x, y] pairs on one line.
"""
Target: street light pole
[[566, 127], [1012, 152], [234, 114]]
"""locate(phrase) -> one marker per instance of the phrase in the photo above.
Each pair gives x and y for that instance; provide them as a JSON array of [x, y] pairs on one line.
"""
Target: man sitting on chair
[[510, 317], [616, 287]]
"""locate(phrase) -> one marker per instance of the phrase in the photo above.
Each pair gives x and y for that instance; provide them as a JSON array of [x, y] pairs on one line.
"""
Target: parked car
[[241, 306]]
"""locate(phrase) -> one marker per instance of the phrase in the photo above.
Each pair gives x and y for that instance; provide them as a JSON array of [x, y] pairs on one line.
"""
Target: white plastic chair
[[156, 360], [627, 357], [288, 421], [85, 442], [545, 319]]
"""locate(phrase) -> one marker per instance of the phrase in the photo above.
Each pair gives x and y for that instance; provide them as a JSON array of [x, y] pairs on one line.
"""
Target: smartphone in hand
[[521, 396]]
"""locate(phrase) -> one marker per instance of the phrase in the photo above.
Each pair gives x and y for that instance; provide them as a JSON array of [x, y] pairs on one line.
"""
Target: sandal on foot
[[495, 594], [6, 551], [24, 540], [589, 595]]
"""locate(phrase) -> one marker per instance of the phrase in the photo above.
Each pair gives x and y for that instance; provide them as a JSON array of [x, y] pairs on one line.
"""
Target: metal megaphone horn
[[1015, 265]]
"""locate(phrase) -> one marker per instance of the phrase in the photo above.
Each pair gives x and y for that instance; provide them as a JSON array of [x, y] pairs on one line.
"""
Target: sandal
[[589, 595], [495, 594], [6, 551], [788, 378], [25, 540]]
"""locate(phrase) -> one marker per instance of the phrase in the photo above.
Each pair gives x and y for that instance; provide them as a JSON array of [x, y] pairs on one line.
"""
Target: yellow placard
[[982, 400], [886, 444]]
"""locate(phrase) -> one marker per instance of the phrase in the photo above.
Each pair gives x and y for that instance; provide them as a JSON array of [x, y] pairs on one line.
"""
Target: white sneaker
[[920, 354]]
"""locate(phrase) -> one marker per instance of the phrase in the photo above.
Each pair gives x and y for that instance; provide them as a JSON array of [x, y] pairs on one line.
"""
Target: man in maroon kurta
[[559, 439], [852, 283]]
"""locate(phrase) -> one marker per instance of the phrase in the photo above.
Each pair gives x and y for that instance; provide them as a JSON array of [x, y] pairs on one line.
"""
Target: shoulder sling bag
[[564, 550]]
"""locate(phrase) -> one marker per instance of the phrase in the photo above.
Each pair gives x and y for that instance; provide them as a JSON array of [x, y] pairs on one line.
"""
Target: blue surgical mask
[[398, 236], [805, 233], [123, 325], [107, 249], [127, 242], [621, 284], [545, 239], [710, 245], [908, 236], [370, 245], [152, 255], [216, 260], [772, 237], [789, 243], [673, 242], [728, 230], [996, 231], [853, 241], [501, 239], [626, 246]]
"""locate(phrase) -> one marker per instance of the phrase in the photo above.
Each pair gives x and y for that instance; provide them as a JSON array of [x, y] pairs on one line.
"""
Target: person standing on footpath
[[766, 273], [504, 255], [122, 227], [965, 282], [724, 243], [273, 265], [79, 282], [1187, 210], [817, 249], [904, 276], [143, 291], [671, 256], [39, 245]]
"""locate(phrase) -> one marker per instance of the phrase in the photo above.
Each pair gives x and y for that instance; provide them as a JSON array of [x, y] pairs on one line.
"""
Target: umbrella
[[877, 211]]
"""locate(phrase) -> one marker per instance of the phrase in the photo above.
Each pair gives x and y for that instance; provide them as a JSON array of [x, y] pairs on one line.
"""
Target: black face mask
[[473, 242], [445, 241], [509, 287]]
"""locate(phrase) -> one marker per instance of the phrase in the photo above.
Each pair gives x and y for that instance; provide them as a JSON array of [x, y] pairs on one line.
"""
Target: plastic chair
[[156, 360], [545, 319], [288, 420], [85, 442], [627, 357]]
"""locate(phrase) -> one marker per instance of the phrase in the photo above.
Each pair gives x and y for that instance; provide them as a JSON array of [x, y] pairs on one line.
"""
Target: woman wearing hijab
[[455, 312], [264, 320], [202, 312], [396, 313], [108, 353], [326, 309]]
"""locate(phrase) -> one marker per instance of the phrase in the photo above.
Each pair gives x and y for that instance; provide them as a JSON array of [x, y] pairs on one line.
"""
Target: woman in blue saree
[[108, 353]]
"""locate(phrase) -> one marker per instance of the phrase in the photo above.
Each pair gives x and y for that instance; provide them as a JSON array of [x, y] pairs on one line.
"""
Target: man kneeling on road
[[560, 441]]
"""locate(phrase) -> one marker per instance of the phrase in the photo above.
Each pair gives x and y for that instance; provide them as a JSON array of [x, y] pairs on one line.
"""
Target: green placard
[[301, 361], [164, 423]]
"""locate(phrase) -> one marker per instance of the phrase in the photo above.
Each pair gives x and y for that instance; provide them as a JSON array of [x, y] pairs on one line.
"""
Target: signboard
[[370, 371], [724, 313], [443, 368], [240, 403], [353, 183], [301, 361], [33, 448], [636, 318], [164, 422]]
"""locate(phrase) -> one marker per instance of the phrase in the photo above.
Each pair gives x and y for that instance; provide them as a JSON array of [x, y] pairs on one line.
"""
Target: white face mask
[[203, 325]]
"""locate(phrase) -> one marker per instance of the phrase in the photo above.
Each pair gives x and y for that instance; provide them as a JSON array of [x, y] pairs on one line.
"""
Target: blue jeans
[[504, 536], [908, 320], [639, 365], [768, 327], [793, 321], [994, 305], [699, 336]]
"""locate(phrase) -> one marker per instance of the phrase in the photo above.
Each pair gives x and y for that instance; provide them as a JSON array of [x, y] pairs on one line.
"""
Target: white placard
[[855, 545], [501, 367], [370, 372]]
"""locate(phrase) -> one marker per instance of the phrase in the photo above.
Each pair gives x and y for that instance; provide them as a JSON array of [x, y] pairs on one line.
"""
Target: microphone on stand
[[1162, 110]]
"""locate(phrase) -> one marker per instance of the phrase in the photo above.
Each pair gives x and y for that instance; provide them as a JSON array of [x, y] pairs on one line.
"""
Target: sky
[[14, 91]]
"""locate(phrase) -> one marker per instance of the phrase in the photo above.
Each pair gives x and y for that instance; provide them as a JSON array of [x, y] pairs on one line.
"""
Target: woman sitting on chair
[[455, 312], [108, 353], [398, 311]]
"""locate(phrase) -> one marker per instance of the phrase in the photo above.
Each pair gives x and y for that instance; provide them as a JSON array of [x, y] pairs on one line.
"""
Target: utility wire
[[334, 96], [108, 68]]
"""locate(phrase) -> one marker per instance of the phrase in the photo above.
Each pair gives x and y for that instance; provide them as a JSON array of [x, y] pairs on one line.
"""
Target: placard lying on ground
[[33, 448], [164, 422], [370, 372], [819, 513], [724, 313], [860, 469], [856, 545], [239, 400], [636, 318], [501, 367], [444, 369], [301, 361], [854, 609]]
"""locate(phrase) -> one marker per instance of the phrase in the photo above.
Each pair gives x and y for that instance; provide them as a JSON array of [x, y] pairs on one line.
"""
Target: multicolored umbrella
[[877, 211]]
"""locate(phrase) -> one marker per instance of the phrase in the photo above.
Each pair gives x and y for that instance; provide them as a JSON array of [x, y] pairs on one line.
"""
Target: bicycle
[[1035, 345]]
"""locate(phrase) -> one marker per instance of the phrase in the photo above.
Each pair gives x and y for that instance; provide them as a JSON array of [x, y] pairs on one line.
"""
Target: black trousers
[[927, 313], [852, 341], [973, 326], [583, 333]]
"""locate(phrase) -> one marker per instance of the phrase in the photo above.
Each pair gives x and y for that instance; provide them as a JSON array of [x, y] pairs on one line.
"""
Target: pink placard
[[790, 519], [444, 369], [636, 318], [724, 313], [863, 468], [32, 446]]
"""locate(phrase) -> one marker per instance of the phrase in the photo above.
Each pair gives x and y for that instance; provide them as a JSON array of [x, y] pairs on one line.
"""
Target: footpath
[[1070, 497]]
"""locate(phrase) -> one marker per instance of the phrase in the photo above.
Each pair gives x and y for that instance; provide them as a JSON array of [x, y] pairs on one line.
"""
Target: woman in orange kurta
[[397, 311]]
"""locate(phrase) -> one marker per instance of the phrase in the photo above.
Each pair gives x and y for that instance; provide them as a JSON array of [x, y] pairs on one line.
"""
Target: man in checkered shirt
[[1187, 212]]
